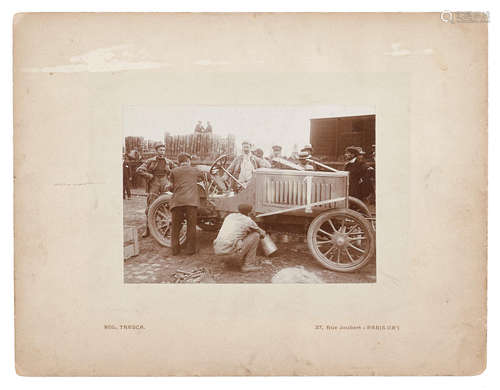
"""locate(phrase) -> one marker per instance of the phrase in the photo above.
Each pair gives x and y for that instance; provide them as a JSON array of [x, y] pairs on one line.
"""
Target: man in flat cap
[[238, 239], [185, 202], [275, 156], [276, 151], [156, 171], [245, 164]]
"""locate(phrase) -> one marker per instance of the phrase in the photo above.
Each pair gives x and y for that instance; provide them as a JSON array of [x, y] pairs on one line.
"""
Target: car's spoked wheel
[[341, 240], [160, 223]]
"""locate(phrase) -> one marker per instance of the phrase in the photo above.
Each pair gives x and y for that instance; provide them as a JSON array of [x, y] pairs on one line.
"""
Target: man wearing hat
[[303, 156], [245, 164], [127, 176], [276, 151], [198, 129], [238, 239], [185, 202], [275, 156], [155, 170], [359, 182], [309, 150]]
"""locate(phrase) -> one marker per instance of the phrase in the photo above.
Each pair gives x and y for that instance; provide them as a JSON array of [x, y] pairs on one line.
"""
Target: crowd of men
[[239, 235]]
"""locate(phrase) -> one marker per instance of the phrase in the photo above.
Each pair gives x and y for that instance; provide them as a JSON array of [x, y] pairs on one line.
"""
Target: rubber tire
[[162, 240], [320, 219]]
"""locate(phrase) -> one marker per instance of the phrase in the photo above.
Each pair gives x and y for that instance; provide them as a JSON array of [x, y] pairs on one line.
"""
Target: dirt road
[[155, 264]]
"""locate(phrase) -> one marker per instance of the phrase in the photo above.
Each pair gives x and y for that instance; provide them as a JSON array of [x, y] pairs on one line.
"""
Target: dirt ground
[[155, 263]]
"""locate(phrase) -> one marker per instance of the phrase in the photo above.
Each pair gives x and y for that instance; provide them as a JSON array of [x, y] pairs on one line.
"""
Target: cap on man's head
[[245, 143], [277, 147], [355, 150], [245, 208], [307, 146], [183, 157], [159, 146]]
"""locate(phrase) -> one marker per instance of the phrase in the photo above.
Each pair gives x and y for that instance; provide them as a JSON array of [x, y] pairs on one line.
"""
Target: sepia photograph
[[249, 194]]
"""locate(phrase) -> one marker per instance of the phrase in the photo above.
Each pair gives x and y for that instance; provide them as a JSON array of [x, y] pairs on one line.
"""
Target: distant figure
[[276, 151], [208, 129], [371, 156], [134, 155], [258, 153], [198, 129], [275, 156], [127, 177]]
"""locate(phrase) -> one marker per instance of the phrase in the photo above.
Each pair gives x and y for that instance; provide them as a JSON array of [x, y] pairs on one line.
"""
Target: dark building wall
[[330, 136]]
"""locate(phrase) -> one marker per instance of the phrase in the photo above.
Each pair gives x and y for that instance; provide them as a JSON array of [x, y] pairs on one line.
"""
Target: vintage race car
[[340, 229]]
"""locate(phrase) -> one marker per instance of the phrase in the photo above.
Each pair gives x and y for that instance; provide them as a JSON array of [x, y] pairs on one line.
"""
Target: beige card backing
[[426, 313]]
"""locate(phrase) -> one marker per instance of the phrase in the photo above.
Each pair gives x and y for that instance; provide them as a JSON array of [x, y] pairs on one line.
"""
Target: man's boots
[[146, 232], [248, 267]]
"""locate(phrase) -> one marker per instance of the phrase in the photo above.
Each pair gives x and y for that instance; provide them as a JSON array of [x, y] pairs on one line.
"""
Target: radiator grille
[[293, 191]]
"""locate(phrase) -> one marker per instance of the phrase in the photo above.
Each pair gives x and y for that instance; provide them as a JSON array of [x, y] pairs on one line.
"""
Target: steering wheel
[[218, 166]]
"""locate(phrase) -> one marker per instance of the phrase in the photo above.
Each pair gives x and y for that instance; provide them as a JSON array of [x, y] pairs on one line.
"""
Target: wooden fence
[[206, 147]]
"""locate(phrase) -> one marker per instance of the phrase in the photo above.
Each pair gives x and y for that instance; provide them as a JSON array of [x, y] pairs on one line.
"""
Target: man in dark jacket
[[127, 177], [359, 181], [156, 171], [185, 202]]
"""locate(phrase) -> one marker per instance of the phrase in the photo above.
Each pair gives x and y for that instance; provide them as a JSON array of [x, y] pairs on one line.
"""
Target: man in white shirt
[[239, 238], [245, 164]]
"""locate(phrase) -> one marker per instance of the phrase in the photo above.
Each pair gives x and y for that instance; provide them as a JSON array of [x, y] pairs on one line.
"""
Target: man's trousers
[[179, 215]]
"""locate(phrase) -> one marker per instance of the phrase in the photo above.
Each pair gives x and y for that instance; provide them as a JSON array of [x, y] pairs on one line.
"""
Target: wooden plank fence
[[206, 147]]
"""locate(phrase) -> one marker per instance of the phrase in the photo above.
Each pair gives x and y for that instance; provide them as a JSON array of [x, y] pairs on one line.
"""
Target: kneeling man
[[239, 238]]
